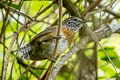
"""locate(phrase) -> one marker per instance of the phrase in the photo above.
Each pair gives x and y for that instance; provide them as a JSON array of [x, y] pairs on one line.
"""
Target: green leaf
[[110, 51], [12, 5], [109, 71], [117, 63]]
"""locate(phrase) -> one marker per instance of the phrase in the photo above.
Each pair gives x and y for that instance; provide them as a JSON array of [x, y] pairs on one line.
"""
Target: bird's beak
[[85, 21]]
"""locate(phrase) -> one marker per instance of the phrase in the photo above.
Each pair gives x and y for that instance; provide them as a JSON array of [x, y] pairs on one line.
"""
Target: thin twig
[[10, 49], [57, 40], [110, 11], [19, 61], [59, 27], [18, 22], [31, 71], [3, 44], [27, 69], [15, 19], [111, 3], [95, 59], [109, 60], [15, 11], [24, 27], [4, 26], [26, 30], [85, 5], [80, 45], [48, 7], [91, 7], [4, 21], [38, 13]]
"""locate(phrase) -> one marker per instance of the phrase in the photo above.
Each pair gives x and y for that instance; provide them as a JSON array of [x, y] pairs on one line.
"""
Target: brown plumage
[[42, 45]]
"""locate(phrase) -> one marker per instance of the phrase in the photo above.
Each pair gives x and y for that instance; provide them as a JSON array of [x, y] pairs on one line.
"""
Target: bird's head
[[73, 23]]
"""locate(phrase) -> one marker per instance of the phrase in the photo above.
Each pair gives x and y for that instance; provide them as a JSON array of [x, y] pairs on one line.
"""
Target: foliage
[[70, 70]]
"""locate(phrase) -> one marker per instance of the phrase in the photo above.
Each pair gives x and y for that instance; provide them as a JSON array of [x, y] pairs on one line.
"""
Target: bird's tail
[[25, 51]]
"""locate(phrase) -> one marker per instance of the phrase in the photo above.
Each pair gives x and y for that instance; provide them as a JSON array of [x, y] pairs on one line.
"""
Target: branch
[[15, 11], [110, 11], [27, 69], [59, 27], [92, 6], [5, 21], [101, 33], [74, 11], [57, 40], [24, 27], [10, 49]]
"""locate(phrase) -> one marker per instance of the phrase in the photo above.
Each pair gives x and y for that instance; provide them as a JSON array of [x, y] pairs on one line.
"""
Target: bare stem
[[57, 40]]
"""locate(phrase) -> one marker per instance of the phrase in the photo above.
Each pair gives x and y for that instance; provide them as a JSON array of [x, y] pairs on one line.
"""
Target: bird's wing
[[44, 33]]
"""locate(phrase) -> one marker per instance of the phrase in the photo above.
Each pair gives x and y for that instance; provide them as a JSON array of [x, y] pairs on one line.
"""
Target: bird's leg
[[57, 37], [48, 57], [45, 40], [51, 59]]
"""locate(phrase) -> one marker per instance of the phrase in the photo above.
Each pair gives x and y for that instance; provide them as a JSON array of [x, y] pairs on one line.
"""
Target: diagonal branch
[[27, 69], [101, 33], [117, 15]]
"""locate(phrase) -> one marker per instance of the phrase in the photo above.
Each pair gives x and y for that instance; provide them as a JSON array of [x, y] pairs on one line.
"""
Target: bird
[[42, 46]]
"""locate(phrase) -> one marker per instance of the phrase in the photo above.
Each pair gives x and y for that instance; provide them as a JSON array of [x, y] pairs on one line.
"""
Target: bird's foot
[[57, 37], [51, 59]]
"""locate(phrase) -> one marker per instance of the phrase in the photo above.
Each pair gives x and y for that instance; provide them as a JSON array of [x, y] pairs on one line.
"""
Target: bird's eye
[[75, 19], [68, 22]]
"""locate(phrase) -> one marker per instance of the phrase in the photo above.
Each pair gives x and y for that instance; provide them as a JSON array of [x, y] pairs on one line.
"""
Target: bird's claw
[[52, 59], [57, 37]]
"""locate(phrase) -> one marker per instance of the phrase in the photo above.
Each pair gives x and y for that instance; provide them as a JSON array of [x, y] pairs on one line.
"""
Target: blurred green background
[[48, 18]]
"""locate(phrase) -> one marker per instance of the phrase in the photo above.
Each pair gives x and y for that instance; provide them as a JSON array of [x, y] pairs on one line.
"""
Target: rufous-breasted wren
[[42, 46]]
